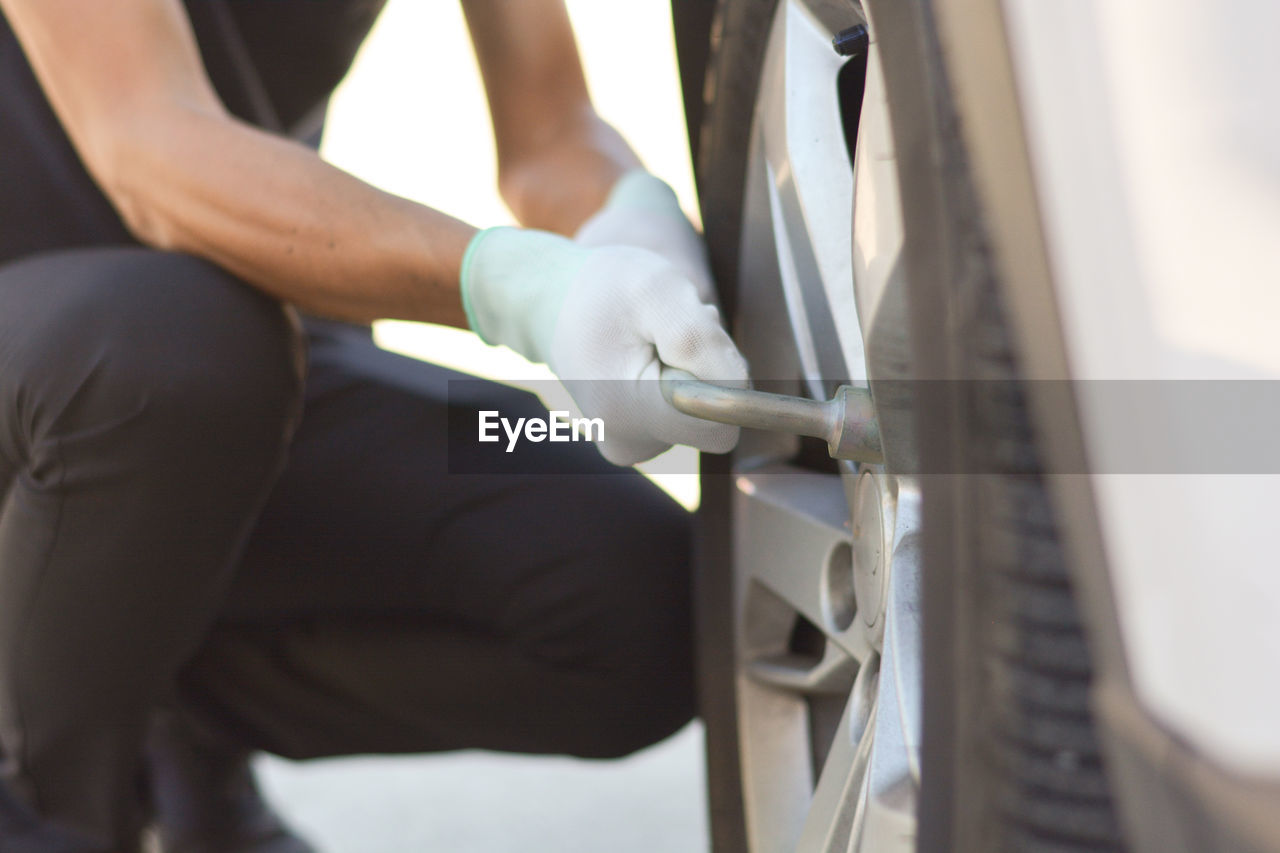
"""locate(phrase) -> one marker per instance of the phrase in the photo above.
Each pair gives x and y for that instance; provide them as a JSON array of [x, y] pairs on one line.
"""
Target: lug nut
[[852, 41]]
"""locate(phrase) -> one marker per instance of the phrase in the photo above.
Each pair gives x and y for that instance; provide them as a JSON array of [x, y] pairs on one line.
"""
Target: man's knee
[[154, 348], [634, 625]]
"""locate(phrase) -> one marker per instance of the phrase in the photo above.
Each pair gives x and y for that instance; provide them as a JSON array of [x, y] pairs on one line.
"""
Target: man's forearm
[[126, 80], [557, 160], [272, 212]]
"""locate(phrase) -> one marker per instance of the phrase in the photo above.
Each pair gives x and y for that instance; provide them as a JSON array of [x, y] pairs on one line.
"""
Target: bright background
[[411, 119]]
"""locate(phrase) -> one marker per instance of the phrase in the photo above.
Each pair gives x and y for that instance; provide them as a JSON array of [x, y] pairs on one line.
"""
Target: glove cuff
[[466, 277], [513, 283]]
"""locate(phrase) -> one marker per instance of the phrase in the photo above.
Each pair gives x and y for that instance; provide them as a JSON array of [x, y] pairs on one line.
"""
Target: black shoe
[[205, 798]]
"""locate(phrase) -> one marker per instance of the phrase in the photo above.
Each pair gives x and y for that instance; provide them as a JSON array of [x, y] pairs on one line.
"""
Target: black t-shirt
[[273, 62]]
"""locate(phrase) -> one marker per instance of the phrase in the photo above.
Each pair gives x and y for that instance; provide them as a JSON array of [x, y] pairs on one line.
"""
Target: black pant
[[184, 516]]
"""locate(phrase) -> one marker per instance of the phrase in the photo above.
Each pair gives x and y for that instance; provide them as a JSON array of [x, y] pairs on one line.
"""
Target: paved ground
[[472, 802]]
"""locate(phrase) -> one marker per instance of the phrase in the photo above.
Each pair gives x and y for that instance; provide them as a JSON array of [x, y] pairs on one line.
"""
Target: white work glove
[[642, 211], [606, 321]]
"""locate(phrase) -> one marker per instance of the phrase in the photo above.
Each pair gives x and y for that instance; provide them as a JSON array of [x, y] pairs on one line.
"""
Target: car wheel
[[891, 658]]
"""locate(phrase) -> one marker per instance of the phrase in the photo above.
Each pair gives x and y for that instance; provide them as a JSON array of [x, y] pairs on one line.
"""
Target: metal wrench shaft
[[846, 422]]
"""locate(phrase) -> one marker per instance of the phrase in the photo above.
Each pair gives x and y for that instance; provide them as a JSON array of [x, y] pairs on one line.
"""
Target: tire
[[1011, 761], [732, 60], [1026, 768]]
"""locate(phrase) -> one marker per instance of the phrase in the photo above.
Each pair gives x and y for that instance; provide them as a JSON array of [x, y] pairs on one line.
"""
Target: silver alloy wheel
[[826, 565]]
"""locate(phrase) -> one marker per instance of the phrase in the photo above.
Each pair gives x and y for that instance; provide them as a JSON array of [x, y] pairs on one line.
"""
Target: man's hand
[[642, 211], [606, 321]]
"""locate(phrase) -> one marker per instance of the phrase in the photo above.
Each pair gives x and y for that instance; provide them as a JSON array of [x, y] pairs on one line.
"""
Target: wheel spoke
[[777, 777], [840, 789], [877, 210], [802, 142], [902, 644], [832, 673], [886, 819], [793, 532]]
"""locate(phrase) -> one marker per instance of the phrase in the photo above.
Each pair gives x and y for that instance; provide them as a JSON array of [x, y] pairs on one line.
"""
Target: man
[[203, 551]]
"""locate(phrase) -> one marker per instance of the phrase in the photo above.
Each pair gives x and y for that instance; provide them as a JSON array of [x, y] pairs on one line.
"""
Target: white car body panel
[[1155, 142]]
